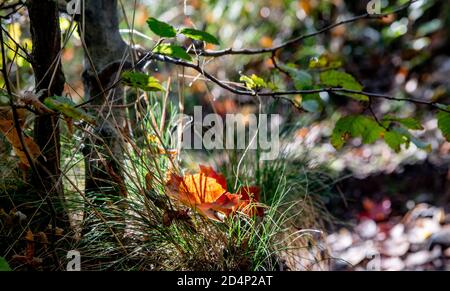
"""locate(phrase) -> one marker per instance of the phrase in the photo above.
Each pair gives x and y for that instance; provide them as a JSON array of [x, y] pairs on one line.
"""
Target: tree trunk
[[49, 77], [105, 49]]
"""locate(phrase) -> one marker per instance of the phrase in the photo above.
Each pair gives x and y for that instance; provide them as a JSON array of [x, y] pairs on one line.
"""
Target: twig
[[372, 112], [283, 94], [14, 6], [278, 94], [248, 51], [27, 56], [16, 121], [275, 64]]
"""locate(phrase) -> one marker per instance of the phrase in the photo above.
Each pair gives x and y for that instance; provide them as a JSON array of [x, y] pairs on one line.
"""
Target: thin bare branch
[[257, 51]]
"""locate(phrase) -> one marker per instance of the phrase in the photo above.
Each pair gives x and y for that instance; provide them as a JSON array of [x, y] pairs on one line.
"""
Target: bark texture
[[105, 49], [49, 77]]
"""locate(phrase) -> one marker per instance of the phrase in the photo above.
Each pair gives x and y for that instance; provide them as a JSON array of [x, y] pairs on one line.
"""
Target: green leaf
[[253, 82], [442, 106], [318, 62], [343, 80], [142, 81], [370, 131], [4, 98], [395, 139], [200, 35], [312, 103], [417, 142], [172, 51], [248, 82], [67, 107], [160, 28], [4, 266], [272, 86], [323, 62], [356, 126], [302, 79], [258, 81], [409, 122], [444, 123]]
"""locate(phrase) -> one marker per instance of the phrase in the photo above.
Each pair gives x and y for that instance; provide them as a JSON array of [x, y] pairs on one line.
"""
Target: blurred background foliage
[[404, 55]]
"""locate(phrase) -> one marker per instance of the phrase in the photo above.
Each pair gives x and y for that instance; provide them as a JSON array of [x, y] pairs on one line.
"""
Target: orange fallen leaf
[[207, 193], [194, 190], [208, 171]]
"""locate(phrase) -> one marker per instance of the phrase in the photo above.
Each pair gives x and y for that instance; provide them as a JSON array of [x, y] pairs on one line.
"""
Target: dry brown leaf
[[8, 129], [29, 98], [29, 253], [148, 181]]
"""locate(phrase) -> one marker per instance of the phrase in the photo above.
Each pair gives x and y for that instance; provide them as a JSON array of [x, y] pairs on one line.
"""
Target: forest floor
[[396, 222], [379, 241], [393, 211]]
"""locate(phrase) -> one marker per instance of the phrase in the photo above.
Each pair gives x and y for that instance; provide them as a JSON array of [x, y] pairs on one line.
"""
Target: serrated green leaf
[[142, 81], [395, 139], [343, 80], [199, 35], [260, 83], [248, 81], [4, 266], [356, 126], [409, 122], [67, 107], [444, 123], [172, 51], [253, 82], [160, 28]]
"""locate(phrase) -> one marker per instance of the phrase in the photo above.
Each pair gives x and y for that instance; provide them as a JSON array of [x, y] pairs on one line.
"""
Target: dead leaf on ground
[[206, 192], [9, 131]]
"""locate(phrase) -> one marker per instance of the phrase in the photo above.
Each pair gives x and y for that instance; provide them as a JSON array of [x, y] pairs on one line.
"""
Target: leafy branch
[[331, 80], [274, 49], [282, 94]]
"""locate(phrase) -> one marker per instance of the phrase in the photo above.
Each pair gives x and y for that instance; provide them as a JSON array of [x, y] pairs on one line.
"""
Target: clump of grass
[[290, 236], [147, 230]]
